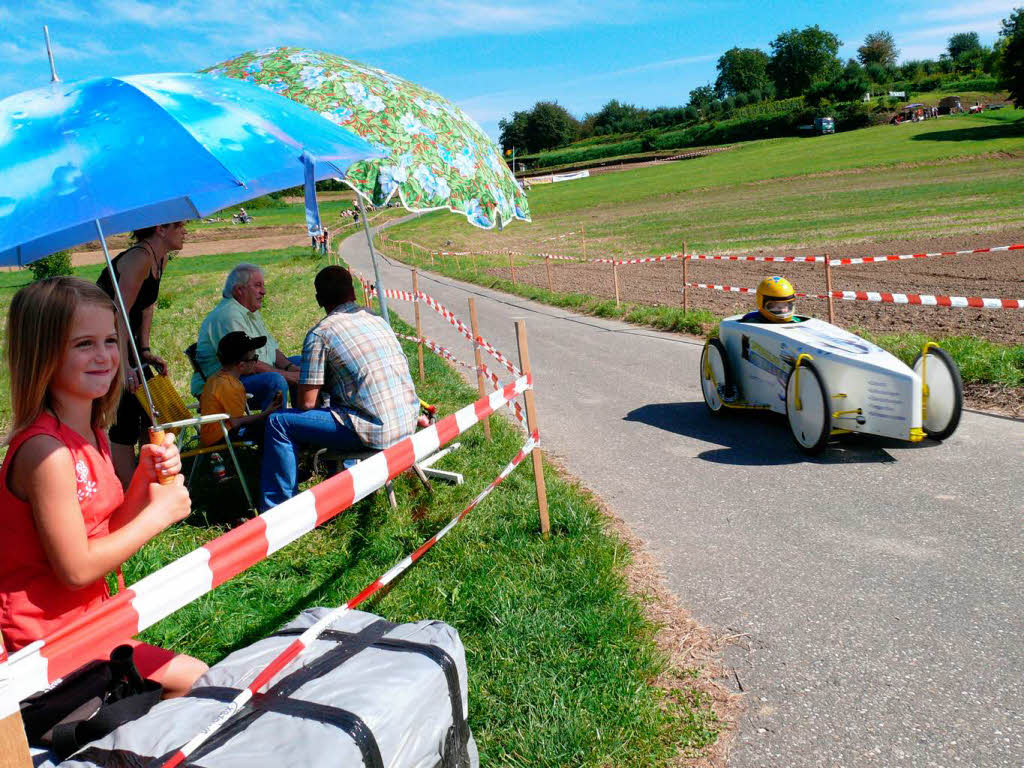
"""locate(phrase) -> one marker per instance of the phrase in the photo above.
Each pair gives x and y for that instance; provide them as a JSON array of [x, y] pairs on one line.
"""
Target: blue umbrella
[[116, 154]]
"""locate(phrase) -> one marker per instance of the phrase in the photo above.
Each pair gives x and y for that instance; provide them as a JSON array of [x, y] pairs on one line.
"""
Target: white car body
[[858, 375]]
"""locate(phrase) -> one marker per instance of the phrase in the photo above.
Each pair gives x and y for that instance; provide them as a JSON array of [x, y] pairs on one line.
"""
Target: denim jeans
[[263, 386], [285, 431]]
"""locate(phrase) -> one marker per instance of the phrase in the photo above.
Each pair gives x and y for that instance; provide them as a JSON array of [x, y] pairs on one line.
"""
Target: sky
[[489, 58]]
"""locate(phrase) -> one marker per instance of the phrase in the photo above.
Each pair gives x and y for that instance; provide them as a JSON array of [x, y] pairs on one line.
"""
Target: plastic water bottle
[[217, 467]]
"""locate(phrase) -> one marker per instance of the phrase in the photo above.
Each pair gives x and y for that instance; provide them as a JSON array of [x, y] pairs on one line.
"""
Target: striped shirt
[[356, 359]]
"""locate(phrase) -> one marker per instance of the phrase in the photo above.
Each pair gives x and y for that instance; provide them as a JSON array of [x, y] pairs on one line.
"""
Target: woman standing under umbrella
[[138, 272]]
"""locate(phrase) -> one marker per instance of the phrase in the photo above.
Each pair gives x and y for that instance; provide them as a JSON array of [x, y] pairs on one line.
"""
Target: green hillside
[[940, 176]]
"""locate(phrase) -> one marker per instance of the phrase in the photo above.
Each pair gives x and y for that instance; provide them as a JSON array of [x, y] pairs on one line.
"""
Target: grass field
[[940, 176], [561, 656], [285, 214]]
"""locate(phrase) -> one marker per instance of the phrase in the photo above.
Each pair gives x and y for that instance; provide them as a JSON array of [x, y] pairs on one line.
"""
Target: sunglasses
[[251, 359]]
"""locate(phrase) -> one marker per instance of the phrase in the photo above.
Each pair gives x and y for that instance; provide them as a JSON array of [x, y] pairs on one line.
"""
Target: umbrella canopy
[[437, 156], [131, 152]]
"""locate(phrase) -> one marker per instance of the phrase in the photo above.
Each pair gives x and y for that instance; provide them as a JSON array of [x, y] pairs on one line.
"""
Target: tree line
[[800, 63]]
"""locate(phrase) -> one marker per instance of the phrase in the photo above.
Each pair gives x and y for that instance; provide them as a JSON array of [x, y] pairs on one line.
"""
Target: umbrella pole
[[373, 258], [124, 316]]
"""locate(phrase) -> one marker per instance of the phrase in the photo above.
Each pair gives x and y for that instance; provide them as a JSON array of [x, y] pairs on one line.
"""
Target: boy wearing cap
[[225, 393]]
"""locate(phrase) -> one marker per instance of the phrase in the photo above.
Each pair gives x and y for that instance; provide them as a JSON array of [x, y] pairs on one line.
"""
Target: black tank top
[[148, 292]]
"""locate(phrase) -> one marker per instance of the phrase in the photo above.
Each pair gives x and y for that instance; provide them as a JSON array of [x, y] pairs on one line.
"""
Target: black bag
[[88, 704]]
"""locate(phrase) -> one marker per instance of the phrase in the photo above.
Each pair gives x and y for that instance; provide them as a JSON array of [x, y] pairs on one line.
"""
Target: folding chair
[[175, 417]]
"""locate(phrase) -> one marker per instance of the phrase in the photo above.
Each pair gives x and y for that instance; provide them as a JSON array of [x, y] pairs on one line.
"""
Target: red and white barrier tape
[[466, 331], [652, 259], [132, 610], [921, 299], [786, 259], [447, 354], [517, 409], [730, 288], [303, 641], [875, 259]]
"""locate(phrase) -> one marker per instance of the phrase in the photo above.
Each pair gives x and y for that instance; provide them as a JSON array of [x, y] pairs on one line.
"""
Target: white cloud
[[968, 11], [982, 27]]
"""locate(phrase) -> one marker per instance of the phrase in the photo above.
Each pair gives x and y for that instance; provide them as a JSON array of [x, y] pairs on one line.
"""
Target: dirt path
[[198, 245]]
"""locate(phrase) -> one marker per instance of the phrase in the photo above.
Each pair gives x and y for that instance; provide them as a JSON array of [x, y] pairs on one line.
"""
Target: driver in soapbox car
[[824, 379]]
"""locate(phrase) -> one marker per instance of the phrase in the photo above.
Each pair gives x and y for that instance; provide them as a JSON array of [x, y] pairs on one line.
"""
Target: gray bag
[[366, 693]]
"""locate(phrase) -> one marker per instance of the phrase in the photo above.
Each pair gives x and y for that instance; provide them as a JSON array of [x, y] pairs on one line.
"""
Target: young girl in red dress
[[65, 521]]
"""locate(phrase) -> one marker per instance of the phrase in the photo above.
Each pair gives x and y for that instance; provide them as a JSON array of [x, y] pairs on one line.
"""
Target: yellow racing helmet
[[776, 299]]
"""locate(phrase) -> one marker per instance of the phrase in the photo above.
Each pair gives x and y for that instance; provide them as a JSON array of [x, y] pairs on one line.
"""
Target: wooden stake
[[512, 267], [686, 280], [828, 290], [547, 265], [419, 328], [531, 424], [481, 380], [14, 751], [584, 229], [615, 278]]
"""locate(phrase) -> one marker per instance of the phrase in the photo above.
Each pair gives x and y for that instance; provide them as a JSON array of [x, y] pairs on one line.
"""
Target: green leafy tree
[[879, 48], [1011, 60], [849, 85], [741, 70], [801, 57], [878, 73], [962, 42], [546, 126], [549, 125], [702, 97], [615, 117], [512, 131]]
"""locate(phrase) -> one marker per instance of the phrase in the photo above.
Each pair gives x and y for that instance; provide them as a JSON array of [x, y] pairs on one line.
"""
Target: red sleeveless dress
[[33, 601]]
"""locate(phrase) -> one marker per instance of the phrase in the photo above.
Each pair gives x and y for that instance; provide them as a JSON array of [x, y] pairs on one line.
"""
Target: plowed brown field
[[993, 275]]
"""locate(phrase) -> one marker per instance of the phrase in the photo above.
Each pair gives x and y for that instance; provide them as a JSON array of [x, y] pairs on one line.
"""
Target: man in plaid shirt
[[352, 360]]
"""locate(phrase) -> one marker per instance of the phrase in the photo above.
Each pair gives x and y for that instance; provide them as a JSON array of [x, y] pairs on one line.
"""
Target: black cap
[[236, 345]]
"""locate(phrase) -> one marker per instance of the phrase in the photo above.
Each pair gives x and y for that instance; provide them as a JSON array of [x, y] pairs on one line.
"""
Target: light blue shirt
[[226, 317]]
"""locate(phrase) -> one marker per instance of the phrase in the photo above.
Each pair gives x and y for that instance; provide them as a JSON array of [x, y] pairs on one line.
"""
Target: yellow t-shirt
[[221, 394]]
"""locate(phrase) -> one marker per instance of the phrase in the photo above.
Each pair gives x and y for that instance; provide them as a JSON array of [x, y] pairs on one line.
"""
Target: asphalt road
[[876, 590]]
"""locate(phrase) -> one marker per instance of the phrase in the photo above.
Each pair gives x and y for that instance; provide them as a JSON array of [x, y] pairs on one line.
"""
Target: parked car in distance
[[821, 126]]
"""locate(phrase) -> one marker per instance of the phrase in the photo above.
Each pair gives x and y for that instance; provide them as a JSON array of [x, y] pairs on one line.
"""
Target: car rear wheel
[[945, 400], [715, 376], [811, 423]]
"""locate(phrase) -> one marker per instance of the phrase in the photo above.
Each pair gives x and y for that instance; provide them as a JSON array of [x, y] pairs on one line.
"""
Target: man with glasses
[[273, 372], [225, 393]]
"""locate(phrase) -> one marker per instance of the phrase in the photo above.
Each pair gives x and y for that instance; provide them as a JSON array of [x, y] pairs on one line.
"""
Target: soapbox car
[[828, 381]]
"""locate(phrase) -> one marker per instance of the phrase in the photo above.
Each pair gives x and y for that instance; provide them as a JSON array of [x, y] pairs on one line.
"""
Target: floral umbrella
[[437, 156]]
